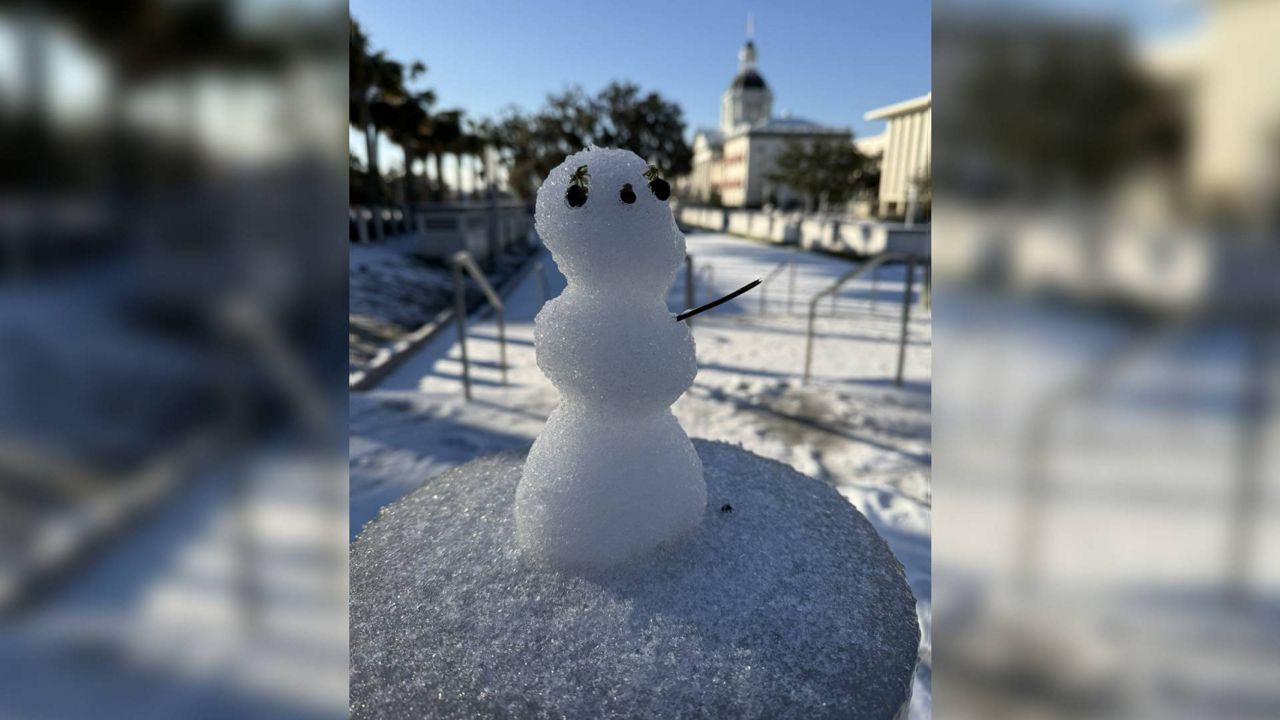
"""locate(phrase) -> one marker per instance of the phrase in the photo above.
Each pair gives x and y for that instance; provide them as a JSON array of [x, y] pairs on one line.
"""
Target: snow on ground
[[224, 599], [393, 292], [849, 425]]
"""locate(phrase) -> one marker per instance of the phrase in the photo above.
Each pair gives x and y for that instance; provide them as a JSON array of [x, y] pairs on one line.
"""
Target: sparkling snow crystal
[[788, 606], [613, 475]]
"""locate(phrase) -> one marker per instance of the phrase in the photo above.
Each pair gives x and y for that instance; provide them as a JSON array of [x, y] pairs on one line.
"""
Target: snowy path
[[849, 425], [1133, 530]]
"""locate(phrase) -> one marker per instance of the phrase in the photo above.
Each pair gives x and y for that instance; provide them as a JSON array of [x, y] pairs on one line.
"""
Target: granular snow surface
[[788, 605]]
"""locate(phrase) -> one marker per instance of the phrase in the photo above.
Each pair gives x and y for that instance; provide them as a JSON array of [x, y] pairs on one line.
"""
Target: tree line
[[385, 100]]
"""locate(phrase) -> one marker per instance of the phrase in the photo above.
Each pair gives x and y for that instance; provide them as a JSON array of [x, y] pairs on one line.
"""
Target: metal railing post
[[379, 232], [875, 286], [1040, 422], [688, 284], [764, 284], [362, 227], [502, 344], [791, 286], [1243, 517], [460, 313], [808, 340], [542, 281], [492, 233], [928, 283], [906, 317], [462, 260]]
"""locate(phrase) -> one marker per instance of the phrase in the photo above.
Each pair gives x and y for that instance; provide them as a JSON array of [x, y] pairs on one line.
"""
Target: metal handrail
[[791, 286], [462, 261], [872, 264]]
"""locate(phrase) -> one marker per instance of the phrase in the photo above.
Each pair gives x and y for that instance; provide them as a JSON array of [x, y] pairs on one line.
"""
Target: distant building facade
[[905, 150], [731, 164]]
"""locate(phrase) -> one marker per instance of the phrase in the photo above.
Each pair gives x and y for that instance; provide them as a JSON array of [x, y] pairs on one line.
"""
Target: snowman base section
[[788, 605]]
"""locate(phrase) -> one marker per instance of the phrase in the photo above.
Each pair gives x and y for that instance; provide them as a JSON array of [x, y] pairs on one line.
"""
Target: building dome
[[748, 79]]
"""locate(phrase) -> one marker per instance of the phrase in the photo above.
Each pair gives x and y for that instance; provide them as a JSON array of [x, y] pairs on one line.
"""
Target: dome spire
[[747, 55]]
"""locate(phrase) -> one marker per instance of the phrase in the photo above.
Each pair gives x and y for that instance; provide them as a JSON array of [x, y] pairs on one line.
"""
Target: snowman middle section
[[612, 475]]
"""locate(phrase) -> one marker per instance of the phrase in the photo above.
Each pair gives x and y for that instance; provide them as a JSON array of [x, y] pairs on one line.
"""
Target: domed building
[[748, 101], [731, 164]]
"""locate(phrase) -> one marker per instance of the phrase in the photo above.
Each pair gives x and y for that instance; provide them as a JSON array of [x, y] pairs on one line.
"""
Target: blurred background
[[172, 486], [173, 498], [1107, 305]]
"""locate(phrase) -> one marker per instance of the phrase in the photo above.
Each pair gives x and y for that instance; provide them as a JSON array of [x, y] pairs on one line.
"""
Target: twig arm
[[701, 309]]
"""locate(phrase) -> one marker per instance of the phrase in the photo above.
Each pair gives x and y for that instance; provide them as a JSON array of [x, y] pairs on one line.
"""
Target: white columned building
[[907, 148]]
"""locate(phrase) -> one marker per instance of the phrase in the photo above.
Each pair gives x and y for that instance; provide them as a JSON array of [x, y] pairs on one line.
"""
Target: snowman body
[[612, 476]]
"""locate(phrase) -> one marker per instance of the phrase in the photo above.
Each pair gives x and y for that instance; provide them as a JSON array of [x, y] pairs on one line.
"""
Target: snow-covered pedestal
[[787, 605]]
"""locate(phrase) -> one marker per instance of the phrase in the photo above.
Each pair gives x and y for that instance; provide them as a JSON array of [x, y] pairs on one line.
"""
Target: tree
[[405, 116], [830, 170], [478, 140], [649, 126], [1054, 108], [360, 78], [376, 88], [924, 188], [408, 123], [618, 116], [446, 128], [483, 139], [387, 109]]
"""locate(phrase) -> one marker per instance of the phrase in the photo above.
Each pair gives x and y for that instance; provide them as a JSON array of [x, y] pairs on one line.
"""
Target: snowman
[[613, 476]]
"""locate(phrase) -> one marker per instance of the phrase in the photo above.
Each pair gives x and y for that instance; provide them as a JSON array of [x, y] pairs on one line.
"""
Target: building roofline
[[766, 132], [900, 108]]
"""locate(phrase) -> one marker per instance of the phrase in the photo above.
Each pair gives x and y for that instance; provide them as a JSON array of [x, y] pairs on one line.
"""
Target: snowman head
[[622, 238]]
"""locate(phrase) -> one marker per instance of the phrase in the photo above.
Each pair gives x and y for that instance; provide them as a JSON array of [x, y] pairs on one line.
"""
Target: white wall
[[906, 155]]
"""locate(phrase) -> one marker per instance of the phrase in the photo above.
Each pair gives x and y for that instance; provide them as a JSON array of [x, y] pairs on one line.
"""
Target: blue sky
[[826, 61]]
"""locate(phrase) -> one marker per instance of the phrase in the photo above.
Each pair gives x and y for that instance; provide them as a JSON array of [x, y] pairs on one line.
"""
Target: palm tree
[[408, 123], [446, 128], [377, 85], [360, 76], [390, 96]]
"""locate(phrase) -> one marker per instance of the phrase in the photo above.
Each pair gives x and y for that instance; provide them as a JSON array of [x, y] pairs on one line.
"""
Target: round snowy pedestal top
[[788, 606]]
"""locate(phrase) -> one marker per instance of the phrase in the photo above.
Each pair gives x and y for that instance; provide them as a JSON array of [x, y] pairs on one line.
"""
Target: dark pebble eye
[[726, 508], [660, 189], [577, 196], [628, 195]]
